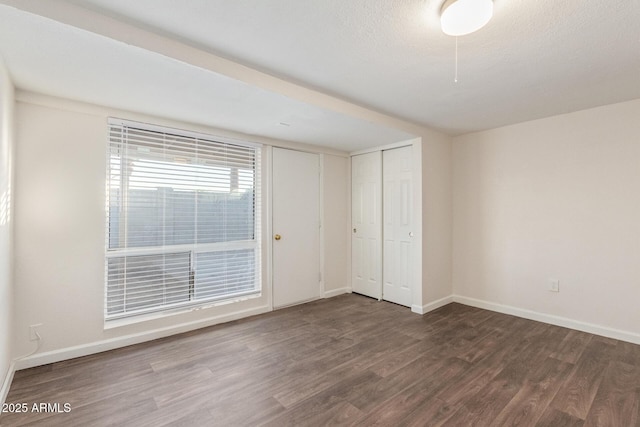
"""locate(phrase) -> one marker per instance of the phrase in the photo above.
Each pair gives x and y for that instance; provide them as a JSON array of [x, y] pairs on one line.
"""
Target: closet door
[[366, 222], [296, 227], [397, 229]]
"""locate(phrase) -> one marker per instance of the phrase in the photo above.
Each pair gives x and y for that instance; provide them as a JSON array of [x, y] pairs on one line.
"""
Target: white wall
[[553, 198], [59, 234], [6, 285], [335, 202], [436, 220]]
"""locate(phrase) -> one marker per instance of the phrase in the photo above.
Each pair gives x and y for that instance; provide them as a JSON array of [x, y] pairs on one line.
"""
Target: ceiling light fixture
[[461, 17]]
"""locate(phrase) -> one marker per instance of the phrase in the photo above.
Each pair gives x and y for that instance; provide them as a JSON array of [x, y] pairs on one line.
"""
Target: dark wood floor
[[348, 360]]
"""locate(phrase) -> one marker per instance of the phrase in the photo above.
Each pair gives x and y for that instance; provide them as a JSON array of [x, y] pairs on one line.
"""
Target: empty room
[[307, 213]]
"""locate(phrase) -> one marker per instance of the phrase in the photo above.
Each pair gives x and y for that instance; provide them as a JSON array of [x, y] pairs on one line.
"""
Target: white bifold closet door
[[296, 227], [366, 221], [397, 234], [382, 219]]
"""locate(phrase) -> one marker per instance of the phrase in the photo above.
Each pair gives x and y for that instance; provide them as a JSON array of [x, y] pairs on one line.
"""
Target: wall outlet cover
[[32, 331]]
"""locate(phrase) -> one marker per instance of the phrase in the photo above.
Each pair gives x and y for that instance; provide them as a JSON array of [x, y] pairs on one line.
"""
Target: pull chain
[[455, 78]]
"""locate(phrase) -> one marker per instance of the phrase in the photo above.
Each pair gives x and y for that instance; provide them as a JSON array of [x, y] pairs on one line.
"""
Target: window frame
[[193, 249]]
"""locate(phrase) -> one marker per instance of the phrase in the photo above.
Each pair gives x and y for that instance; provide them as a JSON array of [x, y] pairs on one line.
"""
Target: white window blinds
[[182, 219]]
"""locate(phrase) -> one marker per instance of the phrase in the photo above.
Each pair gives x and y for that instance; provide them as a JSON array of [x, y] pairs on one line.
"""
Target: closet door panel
[[366, 221]]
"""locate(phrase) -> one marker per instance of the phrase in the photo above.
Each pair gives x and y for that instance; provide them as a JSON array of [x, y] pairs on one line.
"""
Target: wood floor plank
[[531, 401], [572, 346], [617, 402], [414, 404], [482, 408], [390, 365], [472, 380], [361, 359], [500, 377], [576, 395], [348, 360], [627, 353], [317, 412], [246, 412], [482, 347], [428, 409], [434, 412], [554, 418], [197, 418]]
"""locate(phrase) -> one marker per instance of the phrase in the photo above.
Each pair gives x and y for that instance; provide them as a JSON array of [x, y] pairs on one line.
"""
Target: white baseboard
[[424, 309], [336, 292], [123, 341], [6, 383], [591, 328]]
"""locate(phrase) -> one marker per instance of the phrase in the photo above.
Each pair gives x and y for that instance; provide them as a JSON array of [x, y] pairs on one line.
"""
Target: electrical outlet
[[554, 285], [32, 331]]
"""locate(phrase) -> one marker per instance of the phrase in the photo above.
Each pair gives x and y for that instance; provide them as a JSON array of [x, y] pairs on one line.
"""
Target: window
[[182, 219]]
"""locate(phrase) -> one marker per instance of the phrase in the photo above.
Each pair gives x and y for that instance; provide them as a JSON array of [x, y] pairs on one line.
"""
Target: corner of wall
[[437, 224], [7, 103]]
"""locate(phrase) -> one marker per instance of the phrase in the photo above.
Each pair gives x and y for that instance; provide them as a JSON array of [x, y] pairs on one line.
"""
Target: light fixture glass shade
[[460, 17]]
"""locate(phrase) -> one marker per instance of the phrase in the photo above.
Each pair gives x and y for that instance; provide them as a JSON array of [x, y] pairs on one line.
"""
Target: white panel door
[[366, 213], [296, 227], [397, 231]]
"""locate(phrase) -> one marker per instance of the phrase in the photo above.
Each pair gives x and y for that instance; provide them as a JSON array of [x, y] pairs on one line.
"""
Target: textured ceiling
[[534, 59]]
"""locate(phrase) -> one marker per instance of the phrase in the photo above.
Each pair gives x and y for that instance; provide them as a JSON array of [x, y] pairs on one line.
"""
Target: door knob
[[354, 230], [277, 237], [411, 234]]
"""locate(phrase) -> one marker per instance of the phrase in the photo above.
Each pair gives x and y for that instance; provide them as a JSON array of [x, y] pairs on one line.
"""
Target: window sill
[[133, 320]]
